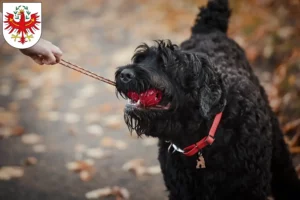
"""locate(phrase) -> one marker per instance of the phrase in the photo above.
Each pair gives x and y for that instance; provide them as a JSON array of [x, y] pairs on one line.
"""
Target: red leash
[[207, 140]]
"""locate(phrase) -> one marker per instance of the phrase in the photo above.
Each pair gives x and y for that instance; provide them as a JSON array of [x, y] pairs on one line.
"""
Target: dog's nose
[[127, 75]]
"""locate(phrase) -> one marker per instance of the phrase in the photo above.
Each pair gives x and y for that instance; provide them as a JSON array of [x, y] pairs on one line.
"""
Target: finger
[[57, 51], [37, 59], [49, 59], [58, 58]]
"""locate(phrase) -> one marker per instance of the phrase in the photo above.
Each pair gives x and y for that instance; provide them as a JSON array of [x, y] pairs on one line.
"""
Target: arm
[[43, 52]]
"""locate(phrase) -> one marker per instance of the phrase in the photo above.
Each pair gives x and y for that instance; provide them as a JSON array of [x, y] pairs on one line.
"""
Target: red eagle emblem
[[24, 26]]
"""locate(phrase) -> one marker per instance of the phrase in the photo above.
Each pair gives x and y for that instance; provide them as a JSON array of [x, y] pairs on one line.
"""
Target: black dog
[[182, 95]]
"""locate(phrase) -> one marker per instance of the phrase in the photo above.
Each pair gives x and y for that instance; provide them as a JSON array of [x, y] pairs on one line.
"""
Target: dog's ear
[[210, 89]]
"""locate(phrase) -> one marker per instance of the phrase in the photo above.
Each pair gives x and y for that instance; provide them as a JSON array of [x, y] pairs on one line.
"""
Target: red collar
[[207, 140]]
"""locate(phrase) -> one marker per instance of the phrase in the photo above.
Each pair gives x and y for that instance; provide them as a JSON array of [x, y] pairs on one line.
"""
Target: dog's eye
[[138, 58]]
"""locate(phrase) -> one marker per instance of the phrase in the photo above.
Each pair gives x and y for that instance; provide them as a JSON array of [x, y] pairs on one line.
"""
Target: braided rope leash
[[86, 72]]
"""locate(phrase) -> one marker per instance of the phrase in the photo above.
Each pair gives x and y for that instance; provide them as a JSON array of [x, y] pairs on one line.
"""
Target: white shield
[[22, 24]]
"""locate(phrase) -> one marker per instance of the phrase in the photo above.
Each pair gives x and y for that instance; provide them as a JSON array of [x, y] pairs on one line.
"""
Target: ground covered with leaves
[[62, 134]]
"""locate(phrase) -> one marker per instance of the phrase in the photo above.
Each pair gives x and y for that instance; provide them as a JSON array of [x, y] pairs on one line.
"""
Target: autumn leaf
[[295, 150], [31, 138], [137, 166], [39, 148], [18, 130], [97, 153], [85, 168], [30, 161], [80, 165], [95, 130], [110, 142], [120, 193], [113, 121], [9, 172], [291, 125]]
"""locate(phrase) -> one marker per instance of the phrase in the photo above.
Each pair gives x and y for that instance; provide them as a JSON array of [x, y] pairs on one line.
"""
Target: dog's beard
[[136, 124], [149, 123]]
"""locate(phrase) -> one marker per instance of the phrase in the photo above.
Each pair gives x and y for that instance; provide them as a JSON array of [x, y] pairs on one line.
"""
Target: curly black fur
[[208, 74]]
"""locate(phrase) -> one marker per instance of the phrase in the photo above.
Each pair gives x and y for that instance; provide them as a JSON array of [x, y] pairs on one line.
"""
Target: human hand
[[43, 52]]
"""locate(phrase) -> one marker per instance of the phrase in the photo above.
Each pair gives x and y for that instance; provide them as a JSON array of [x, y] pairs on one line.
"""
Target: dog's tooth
[[138, 102], [131, 120], [133, 124]]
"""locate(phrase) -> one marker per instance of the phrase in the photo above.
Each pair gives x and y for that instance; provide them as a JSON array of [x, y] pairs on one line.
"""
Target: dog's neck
[[191, 134]]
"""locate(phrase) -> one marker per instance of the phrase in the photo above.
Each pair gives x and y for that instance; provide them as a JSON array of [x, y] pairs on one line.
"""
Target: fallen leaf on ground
[[53, 116], [291, 125], [96, 194], [81, 165], [71, 118], [295, 150], [105, 108], [92, 118], [94, 129], [121, 145], [107, 142], [31, 138], [9, 172], [5, 132], [137, 166], [30, 161], [252, 53], [85, 168], [285, 32], [39, 148], [85, 175], [110, 142], [17, 131], [153, 170], [8, 118], [295, 139], [120, 193], [97, 153], [113, 121]]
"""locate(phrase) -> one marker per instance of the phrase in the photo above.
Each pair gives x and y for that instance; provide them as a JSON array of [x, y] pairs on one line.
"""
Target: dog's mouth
[[152, 99]]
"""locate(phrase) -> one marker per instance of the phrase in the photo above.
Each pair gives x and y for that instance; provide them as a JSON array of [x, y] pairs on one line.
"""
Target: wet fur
[[207, 74]]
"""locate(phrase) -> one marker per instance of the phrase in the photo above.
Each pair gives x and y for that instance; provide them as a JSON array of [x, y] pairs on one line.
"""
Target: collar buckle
[[209, 139]]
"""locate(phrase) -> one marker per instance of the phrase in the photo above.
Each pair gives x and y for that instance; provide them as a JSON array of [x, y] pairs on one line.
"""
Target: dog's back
[[209, 37]]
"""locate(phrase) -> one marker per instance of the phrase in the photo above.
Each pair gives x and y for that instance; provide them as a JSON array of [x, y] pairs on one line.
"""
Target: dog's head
[[168, 89]]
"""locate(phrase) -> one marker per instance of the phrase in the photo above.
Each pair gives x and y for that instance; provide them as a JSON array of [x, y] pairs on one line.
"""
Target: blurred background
[[62, 134]]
